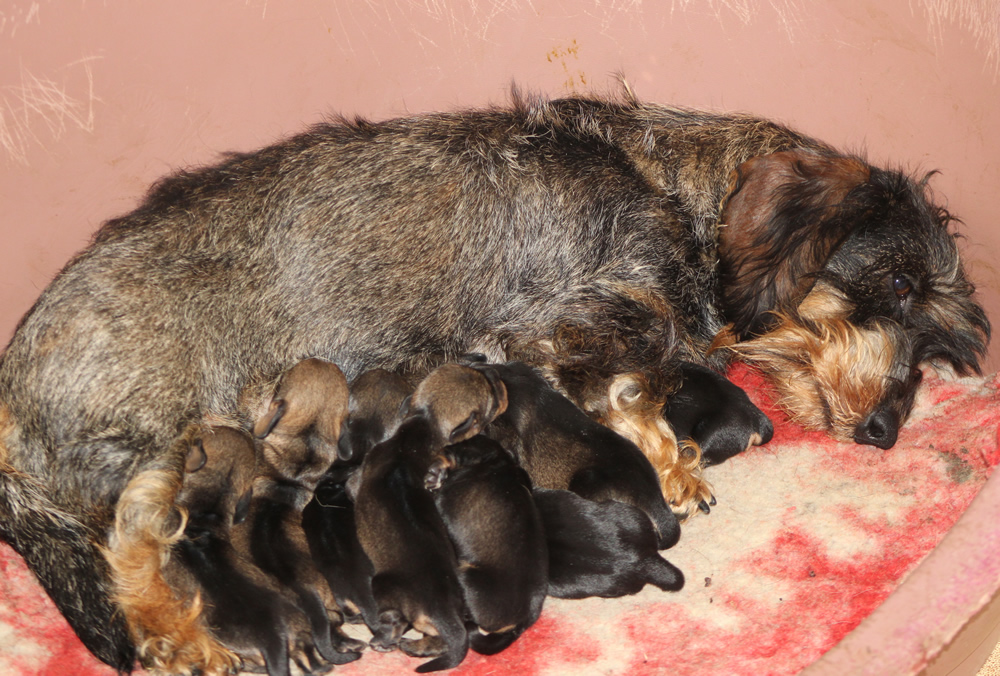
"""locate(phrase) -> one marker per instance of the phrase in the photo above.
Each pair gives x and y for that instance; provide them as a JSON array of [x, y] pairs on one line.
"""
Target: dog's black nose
[[878, 429]]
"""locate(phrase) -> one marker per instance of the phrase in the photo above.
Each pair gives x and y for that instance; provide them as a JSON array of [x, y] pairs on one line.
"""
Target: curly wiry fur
[[625, 232]]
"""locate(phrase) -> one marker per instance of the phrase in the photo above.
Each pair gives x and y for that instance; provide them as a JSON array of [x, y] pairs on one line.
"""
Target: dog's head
[[841, 278]]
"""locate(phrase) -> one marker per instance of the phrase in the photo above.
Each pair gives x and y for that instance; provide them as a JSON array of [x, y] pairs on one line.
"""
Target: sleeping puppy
[[715, 414], [485, 501], [605, 549], [415, 582], [563, 448], [298, 438], [242, 606]]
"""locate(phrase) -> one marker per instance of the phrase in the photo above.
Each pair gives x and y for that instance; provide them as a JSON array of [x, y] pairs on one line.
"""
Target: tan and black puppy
[[242, 607], [605, 549], [561, 447], [298, 438], [415, 582], [485, 500], [375, 411]]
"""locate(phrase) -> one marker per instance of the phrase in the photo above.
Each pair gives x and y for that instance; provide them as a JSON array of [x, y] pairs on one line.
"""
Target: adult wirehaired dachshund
[[601, 240]]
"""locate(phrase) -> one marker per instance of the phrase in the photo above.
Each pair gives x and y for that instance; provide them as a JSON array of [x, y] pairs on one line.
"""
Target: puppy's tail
[[491, 644], [663, 574], [456, 637], [61, 551]]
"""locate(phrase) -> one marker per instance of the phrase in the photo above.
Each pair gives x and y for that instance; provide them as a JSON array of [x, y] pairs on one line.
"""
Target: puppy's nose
[[879, 429]]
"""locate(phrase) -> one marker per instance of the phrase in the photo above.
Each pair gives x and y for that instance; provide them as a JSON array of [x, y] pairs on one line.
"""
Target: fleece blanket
[[808, 537]]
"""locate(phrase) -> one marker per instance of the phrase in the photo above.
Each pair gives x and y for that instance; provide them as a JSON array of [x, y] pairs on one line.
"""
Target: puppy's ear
[[778, 227], [266, 423], [468, 428], [196, 457]]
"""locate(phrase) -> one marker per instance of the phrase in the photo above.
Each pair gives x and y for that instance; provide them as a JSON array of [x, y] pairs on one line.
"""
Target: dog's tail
[[61, 550], [661, 573]]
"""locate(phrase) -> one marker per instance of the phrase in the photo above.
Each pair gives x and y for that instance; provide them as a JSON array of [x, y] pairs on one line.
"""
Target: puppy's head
[[849, 271], [218, 475], [376, 410], [302, 424], [459, 400]]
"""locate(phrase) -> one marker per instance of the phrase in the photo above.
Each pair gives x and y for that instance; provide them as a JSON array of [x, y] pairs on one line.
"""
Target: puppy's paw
[[425, 646], [437, 473]]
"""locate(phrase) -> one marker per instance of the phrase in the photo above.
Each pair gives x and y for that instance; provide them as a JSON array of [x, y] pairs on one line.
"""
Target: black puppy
[[415, 582], [485, 501], [605, 549], [244, 609], [331, 531], [375, 411], [563, 448], [715, 414]]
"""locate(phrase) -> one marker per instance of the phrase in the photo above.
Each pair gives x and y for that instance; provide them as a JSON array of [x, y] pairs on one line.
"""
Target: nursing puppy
[[561, 447], [485, 500], [298, 436], [415, 582], [331, 530], [375, 410], [603, 549], [233, 599]]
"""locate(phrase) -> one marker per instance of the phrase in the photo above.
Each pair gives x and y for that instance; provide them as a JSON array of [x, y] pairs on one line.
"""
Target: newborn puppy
[[415, 583], [715, 414], [376, 410], [298, 442], [485, 501], [243, 608], [561, 447], [605, 549], [330, 527]]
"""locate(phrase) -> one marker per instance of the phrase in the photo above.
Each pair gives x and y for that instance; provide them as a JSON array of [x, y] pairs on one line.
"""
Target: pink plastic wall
[[97, 99]]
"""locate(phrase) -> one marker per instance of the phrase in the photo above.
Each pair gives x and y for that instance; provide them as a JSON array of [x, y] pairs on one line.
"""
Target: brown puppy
[[485, 500], [243, 608], [375, 411], [415, 582], [298, 442], [603, 549], [563, 448]]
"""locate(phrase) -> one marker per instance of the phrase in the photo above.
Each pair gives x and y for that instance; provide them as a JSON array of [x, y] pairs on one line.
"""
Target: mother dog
[[605, 242]]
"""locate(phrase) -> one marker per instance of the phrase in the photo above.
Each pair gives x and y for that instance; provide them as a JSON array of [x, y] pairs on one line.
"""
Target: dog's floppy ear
[[777, 230]]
